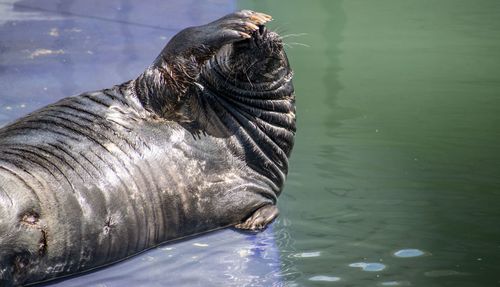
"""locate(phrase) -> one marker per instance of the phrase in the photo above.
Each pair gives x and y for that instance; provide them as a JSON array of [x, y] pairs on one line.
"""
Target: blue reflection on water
[[222, 258], [406, 253], [54, 49], [370, 267], [325, 278]]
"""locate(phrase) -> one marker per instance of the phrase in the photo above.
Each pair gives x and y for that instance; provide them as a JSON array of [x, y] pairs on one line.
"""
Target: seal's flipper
[[162, 88], [201, 42], [260, 218]]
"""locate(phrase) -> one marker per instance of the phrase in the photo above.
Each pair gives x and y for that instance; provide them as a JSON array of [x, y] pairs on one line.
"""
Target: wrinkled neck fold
[[258, 116]]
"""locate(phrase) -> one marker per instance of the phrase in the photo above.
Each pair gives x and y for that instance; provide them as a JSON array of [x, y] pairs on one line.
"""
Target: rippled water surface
[[395, 177]]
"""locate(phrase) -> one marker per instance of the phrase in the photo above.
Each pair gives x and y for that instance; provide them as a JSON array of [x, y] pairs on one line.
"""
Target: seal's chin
[[259, 59]]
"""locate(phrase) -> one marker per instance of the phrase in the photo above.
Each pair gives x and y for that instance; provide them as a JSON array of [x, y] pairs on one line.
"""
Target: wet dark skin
[[199, 141]]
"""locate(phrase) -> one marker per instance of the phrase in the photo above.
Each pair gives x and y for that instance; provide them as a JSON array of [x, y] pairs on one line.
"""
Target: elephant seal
[[198, 142]]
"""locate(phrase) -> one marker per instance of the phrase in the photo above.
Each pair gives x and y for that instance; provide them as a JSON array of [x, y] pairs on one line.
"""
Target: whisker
[[294, 35], [279, 29], [298, 44]]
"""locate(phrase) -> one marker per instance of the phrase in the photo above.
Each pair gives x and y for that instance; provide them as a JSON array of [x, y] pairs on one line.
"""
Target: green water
[[398, 143]]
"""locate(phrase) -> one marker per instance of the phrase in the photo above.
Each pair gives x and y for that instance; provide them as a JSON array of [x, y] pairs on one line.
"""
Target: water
[[395, 177], [397, 158], [221, 258]]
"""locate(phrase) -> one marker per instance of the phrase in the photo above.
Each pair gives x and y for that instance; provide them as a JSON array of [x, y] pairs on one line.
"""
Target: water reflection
[[395, 283], [222, 258], [398, 142], [407, 253], [369, 267], [325, 278]]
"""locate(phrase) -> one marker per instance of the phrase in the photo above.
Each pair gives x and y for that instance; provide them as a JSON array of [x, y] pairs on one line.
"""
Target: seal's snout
[[260, 58], [262, 30], [262, 43], [261, 33]]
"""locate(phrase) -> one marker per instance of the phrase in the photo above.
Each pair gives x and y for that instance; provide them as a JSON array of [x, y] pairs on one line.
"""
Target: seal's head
[[248, 87], [261, 58], [256, 65]]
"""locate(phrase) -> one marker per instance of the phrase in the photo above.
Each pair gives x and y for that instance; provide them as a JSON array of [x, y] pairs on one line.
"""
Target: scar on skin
[[30, 218], [108, 225], [42, 244]]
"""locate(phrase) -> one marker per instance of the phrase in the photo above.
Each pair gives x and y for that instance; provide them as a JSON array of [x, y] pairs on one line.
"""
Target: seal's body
[[199, 141]]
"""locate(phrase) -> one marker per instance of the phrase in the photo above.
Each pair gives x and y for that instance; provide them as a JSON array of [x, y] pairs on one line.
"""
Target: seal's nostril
[[262, 29]]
